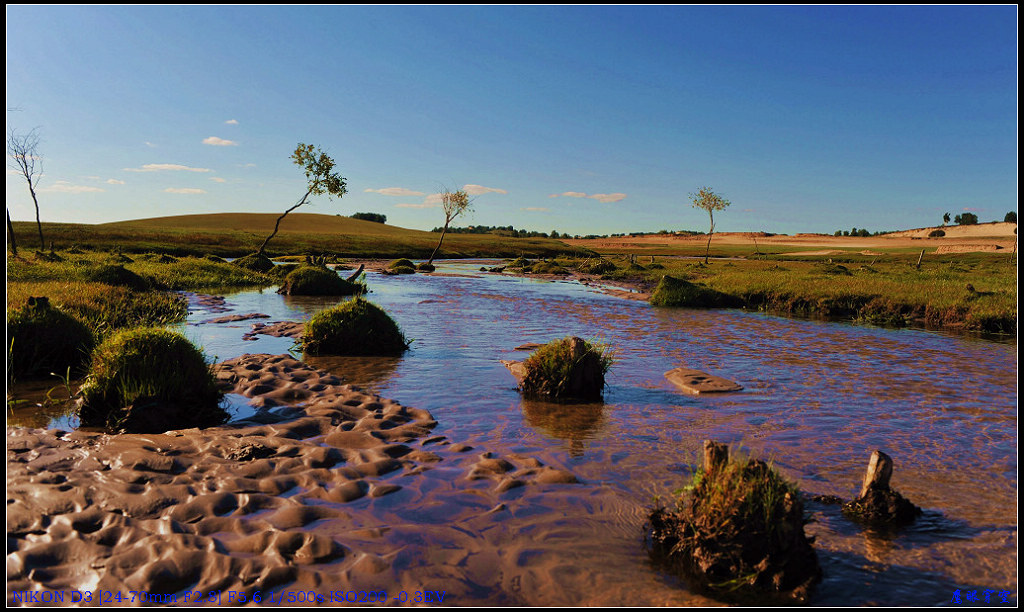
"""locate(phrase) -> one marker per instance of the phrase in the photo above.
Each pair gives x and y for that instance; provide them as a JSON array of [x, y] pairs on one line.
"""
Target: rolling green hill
[[237, 234]]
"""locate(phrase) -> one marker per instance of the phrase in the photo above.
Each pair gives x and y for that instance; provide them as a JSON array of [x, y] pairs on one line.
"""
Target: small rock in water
[[695, 381]]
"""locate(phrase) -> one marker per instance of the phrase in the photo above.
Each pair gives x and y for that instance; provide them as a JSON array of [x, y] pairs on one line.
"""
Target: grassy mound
[[519, 263], [426, 267], [255, 262], [737, 532], [401, 266], [318, 280], [547, 267], [41, 339], [596, 266], [149, 380], [570, 368], [115, 275], [356, 327], [673, 291]]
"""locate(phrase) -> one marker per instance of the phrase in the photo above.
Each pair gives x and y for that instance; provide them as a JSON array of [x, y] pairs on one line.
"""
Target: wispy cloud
[[607, 197], [394, 191], [535, 209], [480, 189], [433, 199], [150, 145], [973, 209], [219, 142], [232, 122], [600, 197], [66, 187], [169, 167], [217, 179], [184, 190], [114, 182], [423, 205]]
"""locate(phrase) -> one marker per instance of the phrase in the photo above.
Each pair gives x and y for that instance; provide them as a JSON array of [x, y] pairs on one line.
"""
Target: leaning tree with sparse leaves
[[454, 204], [321, 179], [708, 200]]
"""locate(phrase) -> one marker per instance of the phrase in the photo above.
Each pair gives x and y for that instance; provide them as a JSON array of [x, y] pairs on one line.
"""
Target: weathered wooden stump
[[716, 455], [878, 504]]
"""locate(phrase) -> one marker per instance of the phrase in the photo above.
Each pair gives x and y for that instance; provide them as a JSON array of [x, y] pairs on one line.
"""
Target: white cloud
[[114, 182], [160, 167], [232, 122], [217, 179], [608, 197], [423, 205], [480, 189], [66, 187], [150, 145], [433, 199], [600, 197], [219, 142], [535, 209], [394, 191], [184, 190]]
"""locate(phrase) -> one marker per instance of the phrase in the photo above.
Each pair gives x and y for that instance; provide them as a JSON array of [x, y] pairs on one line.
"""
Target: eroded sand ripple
[[310, 493]]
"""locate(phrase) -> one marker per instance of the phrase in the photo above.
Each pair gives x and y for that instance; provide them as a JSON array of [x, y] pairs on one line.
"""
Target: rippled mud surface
[[818, 398]]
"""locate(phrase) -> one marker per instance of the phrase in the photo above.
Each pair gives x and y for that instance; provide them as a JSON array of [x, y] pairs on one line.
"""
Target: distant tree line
[[375, 217], [863, 233]]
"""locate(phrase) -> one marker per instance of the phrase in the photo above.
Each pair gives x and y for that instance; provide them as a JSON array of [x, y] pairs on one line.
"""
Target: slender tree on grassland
[[23, 156], [708, 200], [321, 179], [945, 219], [454, 204]]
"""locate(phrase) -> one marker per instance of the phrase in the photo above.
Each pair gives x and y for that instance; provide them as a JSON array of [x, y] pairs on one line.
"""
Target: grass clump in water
[[149, 380], [42, 340], [596, 265], [673, 291], [547, 267], [255, 262], [737, 532], [355, 327], [318, 280], [426, 267], [402, 266], [570, 368]]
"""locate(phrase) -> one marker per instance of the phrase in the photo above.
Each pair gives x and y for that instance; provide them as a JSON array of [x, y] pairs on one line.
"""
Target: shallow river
[[818, 398]]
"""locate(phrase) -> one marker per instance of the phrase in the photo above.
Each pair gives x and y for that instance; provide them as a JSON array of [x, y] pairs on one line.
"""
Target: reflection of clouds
[[573, 423], [359, 371]]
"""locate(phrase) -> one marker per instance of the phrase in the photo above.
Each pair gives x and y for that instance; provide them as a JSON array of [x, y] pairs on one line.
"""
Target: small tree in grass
[[945, 219], [321, 179], [710, 201], [454, 204]]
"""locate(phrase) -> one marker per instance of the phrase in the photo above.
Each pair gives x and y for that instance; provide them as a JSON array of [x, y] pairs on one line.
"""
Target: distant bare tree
[[454, 204], [23, 153]]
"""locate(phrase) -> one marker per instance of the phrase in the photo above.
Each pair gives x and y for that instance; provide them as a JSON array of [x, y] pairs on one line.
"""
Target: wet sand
[[324, 488]]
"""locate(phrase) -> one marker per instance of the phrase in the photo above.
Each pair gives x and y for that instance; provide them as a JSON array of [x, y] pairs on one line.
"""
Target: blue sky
[[581, 119]]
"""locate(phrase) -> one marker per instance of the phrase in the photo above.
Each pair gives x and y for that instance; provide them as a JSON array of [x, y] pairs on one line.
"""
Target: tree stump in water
[[878, 504]]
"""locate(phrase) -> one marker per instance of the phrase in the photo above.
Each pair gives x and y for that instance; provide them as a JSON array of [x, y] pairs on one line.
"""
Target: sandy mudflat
[[326, 488]]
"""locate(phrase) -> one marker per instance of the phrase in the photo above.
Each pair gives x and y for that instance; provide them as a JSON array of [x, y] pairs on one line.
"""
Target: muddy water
[[818, 398]]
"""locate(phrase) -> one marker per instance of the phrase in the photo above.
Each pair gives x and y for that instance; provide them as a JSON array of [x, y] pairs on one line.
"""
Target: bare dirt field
[[981, 237]]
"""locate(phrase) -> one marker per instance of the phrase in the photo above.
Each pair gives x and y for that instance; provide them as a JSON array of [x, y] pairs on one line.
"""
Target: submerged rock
[[695, 381]]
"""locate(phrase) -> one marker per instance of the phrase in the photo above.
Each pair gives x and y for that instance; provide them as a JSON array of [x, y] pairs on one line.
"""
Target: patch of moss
[[355, 327], [426, 267], [149, 380], [673, 291], [318, 280], [42, 339], [570, 368]]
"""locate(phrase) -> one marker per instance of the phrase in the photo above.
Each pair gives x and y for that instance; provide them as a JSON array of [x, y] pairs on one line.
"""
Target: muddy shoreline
[[287, 499]]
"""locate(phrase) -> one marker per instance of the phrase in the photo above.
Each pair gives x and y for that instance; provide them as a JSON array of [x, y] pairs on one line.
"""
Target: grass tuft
[[570, 368], [355, 327]]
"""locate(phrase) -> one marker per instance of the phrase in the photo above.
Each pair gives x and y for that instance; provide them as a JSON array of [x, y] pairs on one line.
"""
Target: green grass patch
[[43, 340], [355, 327], [318, 280], [149, 380]]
